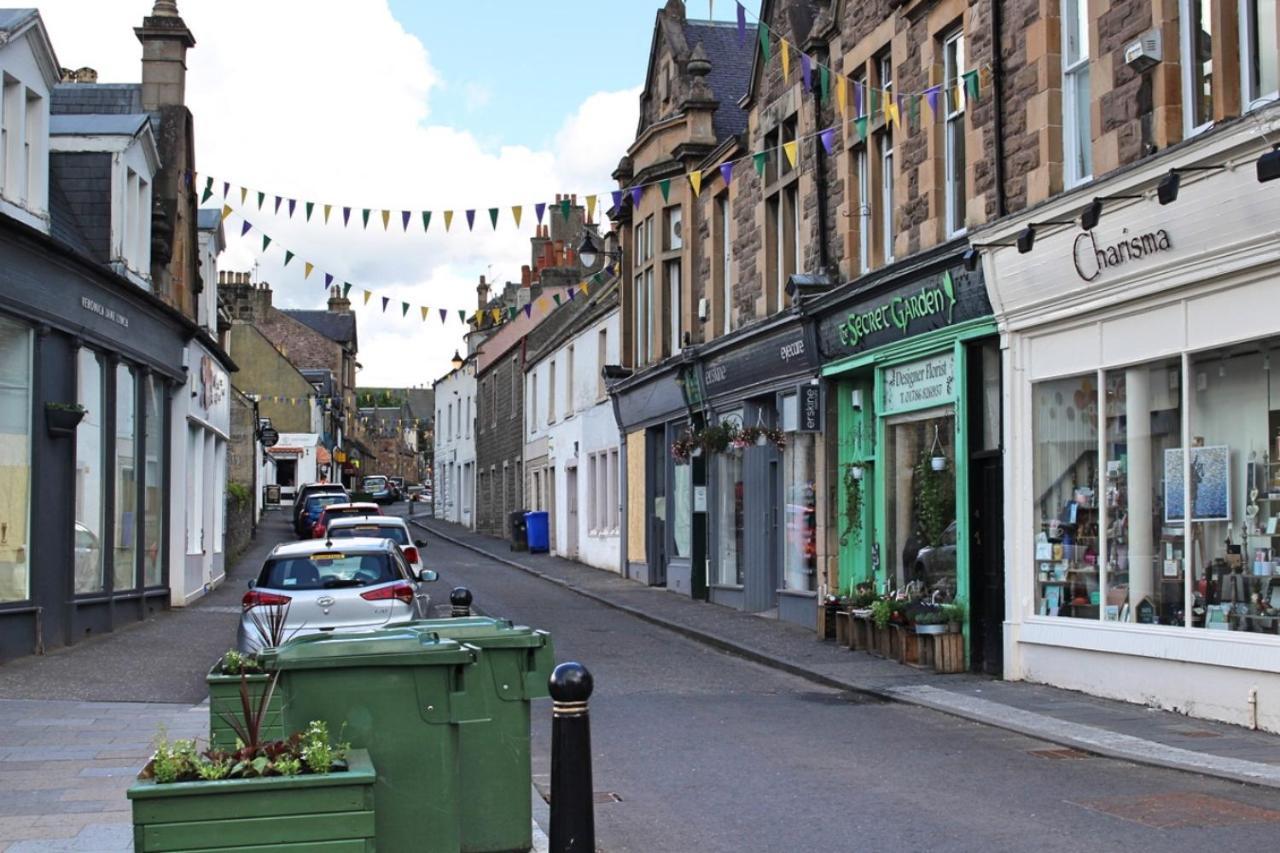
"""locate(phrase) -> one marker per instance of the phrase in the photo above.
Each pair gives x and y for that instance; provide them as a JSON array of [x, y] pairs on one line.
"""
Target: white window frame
[[726, 259], [533, 402], [886, 194], [671, 272], [1077, 140], [602, 356], [568, 382], [1248, 28], [954, 193], [1185, 56], [551, 390], [862, 165]]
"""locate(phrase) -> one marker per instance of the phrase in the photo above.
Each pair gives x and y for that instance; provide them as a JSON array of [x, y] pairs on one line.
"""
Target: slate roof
[[97, 98], [730, 70], [80, 201], [334, 325], [208, 219], [13, 19], [93, 124], [64, 225]]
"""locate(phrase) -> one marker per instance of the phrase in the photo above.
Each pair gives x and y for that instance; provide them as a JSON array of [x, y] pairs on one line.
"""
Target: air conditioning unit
[[704, 310], [1144, 53]]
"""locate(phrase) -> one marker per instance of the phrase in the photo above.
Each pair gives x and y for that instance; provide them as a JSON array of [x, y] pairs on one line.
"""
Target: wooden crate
[[948, 653], [863, 634], [844, 628]]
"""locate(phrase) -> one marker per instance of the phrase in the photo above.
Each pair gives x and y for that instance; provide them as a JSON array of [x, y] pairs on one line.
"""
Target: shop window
[[15, 460], [1234, 488], [730, 518], [800, 555], [782, 216], [953, 69], [1259, 51], [569, 370], [723, 262], [124, 558], [153, 496], [682, 511], [1197, 65], [671, 272], [90, 458], [1077, 127], [884, 152], [920, 503]]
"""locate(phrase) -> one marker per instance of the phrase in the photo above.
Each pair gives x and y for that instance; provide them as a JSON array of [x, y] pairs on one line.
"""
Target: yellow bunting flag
[[496, 314], [386, 217], [367, 295], [786, 59], [516, 210], [891, 111], [448, 219], [583, 287], [842, 95], [542, 303], [425, 311], [791, 149], [307, 273], [327, 209], [244, 192], [695, 181], [591, 208], [226, 211]]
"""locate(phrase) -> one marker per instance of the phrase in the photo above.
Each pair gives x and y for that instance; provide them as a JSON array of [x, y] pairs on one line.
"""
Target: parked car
[[307, 491], [414, 492], [378, 488], [364, 584], [339, 510], [391, 527], [397, 487], [935, 566], [313, 508]]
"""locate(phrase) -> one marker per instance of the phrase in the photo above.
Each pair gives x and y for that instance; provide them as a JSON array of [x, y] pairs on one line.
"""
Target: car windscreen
[[315, 502], [371, 483], [327, 570], [373, 531]]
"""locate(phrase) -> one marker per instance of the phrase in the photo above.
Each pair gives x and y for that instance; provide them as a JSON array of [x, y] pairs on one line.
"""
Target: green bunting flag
[[288, 256], [764, 40], [426, 220], [759, 158], [364, 214], [971, 84], [665, 186], [824, 83], [261, 198], [512, 311], [208, 191], [346, 288], [860, 125], [564, 208], [311, 205], [462, 315], [266, 241], [404, 309], [556, 298], [493, 217]]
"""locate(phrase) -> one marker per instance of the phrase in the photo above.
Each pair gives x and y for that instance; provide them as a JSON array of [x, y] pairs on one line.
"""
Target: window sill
[[1236, 649]]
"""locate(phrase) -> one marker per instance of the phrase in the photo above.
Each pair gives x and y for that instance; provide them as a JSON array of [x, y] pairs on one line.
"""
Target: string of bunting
[[307, 400], [497, 316]]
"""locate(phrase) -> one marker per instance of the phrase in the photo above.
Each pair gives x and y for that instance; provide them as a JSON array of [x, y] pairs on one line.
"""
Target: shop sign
[[1091, 259], [780, 354], [919, 384], [213, 383], [927, 304], [95, 307], [809, 400], [269, 437]]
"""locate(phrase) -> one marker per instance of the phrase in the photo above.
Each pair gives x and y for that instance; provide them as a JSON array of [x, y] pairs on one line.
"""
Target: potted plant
[[236, 674], [852, 505], [61, 419], [312, 790], [931, 621], [683, 447], [953, 616]]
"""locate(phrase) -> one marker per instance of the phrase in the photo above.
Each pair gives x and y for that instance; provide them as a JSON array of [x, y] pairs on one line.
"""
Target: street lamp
[[457, 360], [588, 251]]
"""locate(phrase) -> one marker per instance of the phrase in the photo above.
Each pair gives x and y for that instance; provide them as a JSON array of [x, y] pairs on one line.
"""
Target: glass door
[[920, 502]]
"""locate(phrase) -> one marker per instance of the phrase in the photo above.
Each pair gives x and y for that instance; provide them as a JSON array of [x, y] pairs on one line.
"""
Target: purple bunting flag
[[328, 279], [540, 208], [806, 72], [726, 173], [444, 314], [528, 309], [572, 291], [293, 202], [404, 218], [857, 99], [828, 138], [245, 228], [385, 302], [931, 95], [226, 188], [617, 198], [346, 214], [471, 219], [278, 200], [742, 25], [636, 193]]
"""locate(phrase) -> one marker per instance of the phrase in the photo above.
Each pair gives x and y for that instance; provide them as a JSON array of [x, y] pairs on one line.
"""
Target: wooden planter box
[[862, 634], [908, 644], [947, 652], [224, 698], [333, 812], [844, 628]]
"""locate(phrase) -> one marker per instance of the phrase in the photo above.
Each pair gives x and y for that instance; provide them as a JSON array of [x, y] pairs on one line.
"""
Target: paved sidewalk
[[1099, 726]]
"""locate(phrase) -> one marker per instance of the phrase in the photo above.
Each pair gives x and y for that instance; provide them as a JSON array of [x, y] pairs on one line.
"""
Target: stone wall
[[240, 526]]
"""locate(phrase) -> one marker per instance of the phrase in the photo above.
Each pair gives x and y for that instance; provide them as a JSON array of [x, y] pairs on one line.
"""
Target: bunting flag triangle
[[913, 111], [583, 287], [367, 294], [891, 111], [791, 149], [591, 208], [806, 72], [873, 101], [664, 186], [307, 269], [424, 309], [860, 125], [512, 311], [759, 158], [516, 210], [971, 84], [261, 198], [278, 200], [386, 219], [827, 138], [784, 53], [346, 216], [572, 293], [496, 314], [564, 208], [328, 208], [244, 229], [364, 214], [404, 309], [328, 279], [448, 220], [386, 300], [695, 181], [288, 256], [426, 220], [310, 206], [842, 95], [824, 83], [539, 209], [528, 309], [293, 203], [208, 191], [462, 315], [226, 211], [226, 188], [636, 194], [266, 241], [493, 217], [244, 192], [346, 289], [764, 39], [405, 216], [444, 315], [555, 297], [471, 219], [617, 198], [742, 26], [931, 97]]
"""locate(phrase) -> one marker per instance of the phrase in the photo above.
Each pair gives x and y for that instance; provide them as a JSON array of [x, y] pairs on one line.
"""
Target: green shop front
[[911, 361]]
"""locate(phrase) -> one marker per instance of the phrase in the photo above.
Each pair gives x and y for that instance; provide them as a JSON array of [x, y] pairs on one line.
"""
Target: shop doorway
[[551, 510], [656, 461], [571, 513], [763, 545], [986, 563]]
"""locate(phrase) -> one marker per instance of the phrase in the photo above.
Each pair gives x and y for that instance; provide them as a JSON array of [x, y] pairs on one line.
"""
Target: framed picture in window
[[1209, 489]]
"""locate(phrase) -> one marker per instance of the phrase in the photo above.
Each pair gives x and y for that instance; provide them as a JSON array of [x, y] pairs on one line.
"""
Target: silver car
[[391, 527], [316, 587]]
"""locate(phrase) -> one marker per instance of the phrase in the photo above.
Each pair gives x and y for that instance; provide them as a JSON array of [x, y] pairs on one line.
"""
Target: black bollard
[[460, 599], [573, 821]]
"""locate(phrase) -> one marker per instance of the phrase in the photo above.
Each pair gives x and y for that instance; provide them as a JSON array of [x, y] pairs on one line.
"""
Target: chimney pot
[[573, 199]]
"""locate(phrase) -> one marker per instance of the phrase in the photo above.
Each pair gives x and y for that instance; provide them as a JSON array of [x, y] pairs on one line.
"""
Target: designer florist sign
[[919, 384]]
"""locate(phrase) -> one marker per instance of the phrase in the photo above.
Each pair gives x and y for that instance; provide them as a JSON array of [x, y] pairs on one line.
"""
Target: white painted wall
[[24, 120], [453, 477], [583, 425]]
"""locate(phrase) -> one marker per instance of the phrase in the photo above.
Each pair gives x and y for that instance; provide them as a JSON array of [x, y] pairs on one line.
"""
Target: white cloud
[[329, 100]]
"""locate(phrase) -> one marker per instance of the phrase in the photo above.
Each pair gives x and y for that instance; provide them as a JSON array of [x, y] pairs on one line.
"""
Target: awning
[[322, 456]]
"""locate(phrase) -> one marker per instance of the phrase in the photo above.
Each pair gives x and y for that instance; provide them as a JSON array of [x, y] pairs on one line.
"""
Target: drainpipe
[[820, 166], [997, 93]]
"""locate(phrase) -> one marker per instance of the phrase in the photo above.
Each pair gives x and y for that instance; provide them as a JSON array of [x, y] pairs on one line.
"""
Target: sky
[[399, 105]]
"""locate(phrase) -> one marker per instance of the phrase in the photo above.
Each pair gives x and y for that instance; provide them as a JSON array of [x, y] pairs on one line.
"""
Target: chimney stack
[[165, 41], [482, 294], [338, 304]]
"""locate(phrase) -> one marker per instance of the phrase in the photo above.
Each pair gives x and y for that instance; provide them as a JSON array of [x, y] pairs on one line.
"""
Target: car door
[[421, 598]]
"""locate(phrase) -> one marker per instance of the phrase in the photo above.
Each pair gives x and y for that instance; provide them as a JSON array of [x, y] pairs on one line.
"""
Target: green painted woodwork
[[224, 699], [331, 813]]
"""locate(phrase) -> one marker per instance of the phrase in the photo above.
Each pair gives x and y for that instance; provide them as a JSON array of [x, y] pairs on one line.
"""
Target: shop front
[[1143, 413], [912, 462], [88, 365], [763, 520]]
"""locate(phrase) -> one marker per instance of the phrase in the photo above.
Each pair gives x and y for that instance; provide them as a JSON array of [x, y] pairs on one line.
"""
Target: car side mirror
[[421, 543], [428, 576], [252, 583]]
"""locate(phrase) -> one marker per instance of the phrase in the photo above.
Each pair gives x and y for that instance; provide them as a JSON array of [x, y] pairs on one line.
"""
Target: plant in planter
[[930, 620], [852, 505], [683, 447], [237, 674], [717, 437], [934, 495], [953, 616], [61, 419]]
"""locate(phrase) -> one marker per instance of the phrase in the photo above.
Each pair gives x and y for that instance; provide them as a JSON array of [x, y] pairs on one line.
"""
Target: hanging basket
[[61, 419], [938, 463]]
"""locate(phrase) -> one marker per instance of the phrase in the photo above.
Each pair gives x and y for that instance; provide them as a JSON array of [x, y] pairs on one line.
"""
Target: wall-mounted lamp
[[1093, 210], [973, 255], [856, 399], [1167, 189], [456, 361], [589, 252], [1027, 239], [1269, 165]]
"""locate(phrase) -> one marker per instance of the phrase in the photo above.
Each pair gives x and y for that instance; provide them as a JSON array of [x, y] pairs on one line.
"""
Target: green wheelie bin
[[514, 665], [400, 693]]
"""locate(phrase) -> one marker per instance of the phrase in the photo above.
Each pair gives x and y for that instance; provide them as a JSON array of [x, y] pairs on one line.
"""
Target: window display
[[920, 503], [90, 458], [15, 459], [682, 508], [730, 523], [124, 559], [152, 509], [801, 554]]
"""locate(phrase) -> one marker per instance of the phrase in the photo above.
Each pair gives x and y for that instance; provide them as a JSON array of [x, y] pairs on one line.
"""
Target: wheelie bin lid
[[400, 646], [484, 632]]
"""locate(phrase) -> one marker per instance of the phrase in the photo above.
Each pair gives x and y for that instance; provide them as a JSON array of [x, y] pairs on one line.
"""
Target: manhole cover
[[1182, 810], [1065, 753], [607, 797]]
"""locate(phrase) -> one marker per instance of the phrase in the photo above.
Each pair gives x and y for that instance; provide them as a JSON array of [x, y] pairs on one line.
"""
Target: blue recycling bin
[[539, 532]]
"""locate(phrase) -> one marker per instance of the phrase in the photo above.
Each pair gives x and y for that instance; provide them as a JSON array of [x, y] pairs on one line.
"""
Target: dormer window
[[23, 147]]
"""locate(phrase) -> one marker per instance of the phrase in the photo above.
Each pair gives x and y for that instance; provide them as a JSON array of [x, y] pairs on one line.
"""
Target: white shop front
[[1142, 387]]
